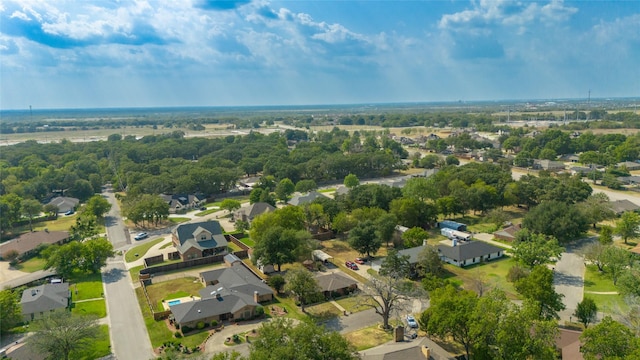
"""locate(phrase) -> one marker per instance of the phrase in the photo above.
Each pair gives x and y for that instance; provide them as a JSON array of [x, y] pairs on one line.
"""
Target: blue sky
[[122, 53]]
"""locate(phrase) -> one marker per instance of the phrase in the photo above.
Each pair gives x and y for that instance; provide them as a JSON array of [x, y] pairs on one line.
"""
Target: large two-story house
[[198, 240]]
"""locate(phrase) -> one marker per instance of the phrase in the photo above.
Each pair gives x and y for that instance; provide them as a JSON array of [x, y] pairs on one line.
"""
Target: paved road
[[129, 337], [568, 278]]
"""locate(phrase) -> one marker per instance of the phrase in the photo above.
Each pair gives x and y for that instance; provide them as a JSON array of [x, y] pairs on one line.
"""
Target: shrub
[[185, 329], [236, 338], [177, 334], [214, 323], [200, 325], [259, 311], [516, 273]]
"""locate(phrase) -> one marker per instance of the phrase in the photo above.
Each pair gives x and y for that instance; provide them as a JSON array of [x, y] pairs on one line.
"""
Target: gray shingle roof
[[185, 234], [307, 198], [256, 209], [236, 277], [44, 298], [334, 281], [212, 306], [468, 250]]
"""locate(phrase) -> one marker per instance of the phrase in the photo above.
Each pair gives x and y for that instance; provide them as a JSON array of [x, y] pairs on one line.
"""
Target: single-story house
[[26, 243], [179, 202], [44, 298], [249, 182], [341, 190], [570, 158], [630, 165], [413, 254], [452, 225], [508, 233], [201, 239], [395, 183], [420, 349], [248, 213], [620, 206], [336, 283], [230, 293], [568, 344], [548, 165], [306, 198], [629, 180], [64, 203], [462, 253]]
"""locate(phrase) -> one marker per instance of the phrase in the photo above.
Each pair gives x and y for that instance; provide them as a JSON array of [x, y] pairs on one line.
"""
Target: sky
[[126, 53]]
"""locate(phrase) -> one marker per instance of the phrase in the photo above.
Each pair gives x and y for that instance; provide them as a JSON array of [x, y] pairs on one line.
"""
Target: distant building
[[64, 203], [26, 243], [248, 213], [306, 198]]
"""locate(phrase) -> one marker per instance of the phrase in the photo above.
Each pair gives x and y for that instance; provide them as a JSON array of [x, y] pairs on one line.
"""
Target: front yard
[[140, 250], [369, 337], [600, 288]]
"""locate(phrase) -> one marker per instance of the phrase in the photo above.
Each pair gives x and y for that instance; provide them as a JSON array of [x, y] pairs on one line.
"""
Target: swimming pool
[[174, 302]]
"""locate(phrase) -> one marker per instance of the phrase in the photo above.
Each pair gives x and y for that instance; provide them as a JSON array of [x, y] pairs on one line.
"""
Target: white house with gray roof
[[463, 253], [197, 240], [38, 300]]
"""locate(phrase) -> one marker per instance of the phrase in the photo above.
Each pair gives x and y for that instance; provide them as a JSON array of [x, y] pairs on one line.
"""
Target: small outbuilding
[[321, 256], [450, 224]]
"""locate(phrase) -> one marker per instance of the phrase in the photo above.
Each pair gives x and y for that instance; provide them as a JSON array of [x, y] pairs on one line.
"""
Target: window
[[203, 237]]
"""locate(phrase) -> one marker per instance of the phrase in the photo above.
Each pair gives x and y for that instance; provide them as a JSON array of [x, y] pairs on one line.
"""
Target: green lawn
[[135, 273], [594, 280], [350, 303], [206, 212], [161, 291], [233, 247], [323, 311], [327, 190], [94, 307], [493, 273], [178, 220], [170, 243], [89, 286], [32, 265], [141, 250], [609, 303], [100, 347], [248, 241], [368, 337]]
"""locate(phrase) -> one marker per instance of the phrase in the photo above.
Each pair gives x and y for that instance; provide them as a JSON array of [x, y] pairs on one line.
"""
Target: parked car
[[70, 212], [351, 265], [411, 322], [203, 208], [360, 260], [142, 235]]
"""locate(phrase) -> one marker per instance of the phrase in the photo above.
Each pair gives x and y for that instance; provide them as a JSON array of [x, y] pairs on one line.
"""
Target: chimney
[[218, 296], [454, 242], [255, 296], [426, 352]]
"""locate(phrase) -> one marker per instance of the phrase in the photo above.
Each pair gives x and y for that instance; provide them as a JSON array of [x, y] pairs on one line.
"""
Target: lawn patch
[[100, 346], [141, 250], [233, 247], [354, 303], [159, 333], [597, 281], [493, 274], [609, 303], [248, 241], [93, 307], [178, 220], [187, 285], [368, 337], [323, 311], [166, 245], [32, 265], [86, 286], [135, 273]]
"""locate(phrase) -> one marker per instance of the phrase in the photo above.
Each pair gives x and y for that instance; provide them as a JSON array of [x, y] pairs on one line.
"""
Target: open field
[[368, 337]]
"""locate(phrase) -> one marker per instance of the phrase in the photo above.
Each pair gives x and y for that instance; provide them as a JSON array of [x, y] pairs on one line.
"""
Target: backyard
[[173, 289], [600, 288]]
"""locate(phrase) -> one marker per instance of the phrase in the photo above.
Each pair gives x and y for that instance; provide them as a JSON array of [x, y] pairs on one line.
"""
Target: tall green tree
[[596, 208], [279, 245], [538, 287], [307, 185], [85, 227], [608, 340], [628, 227], [615, 261], [95, 254], [386, 227], [606, 235], [530, 249], [351, 181], [395, 265], [230, 205], [98, 206], [429, 262], [385, 295], [414, 237], [284, 189], [586, 311], [31, 208], [59, 334], [10, 310], [557, 219], [302, 284], [363, 238]]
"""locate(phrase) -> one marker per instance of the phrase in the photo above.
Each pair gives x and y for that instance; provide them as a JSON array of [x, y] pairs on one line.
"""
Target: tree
[[282, 340], [82, 189], [255, 195], [596, 208], [606, 235], [276, 282], [594, 254], [586, 311], [530, 249], [85, 227], [98, 206], [412, 212], [51, 210], [363, 238], [302, 284], [429, 262], [304, 186], [10, 310], [60, 333], [242, 225], [351, 181], [452, 314], [385, 294], [615, 261], [420, 188], [284, 189], [95, 254], [31, 208], [538, 287], [414, 237], [629, 283], [497, 217], [385, 227], [65, 259], [395, 265], [607, 340], [557, 219], [628, 226], [279, 245], [230, 205]]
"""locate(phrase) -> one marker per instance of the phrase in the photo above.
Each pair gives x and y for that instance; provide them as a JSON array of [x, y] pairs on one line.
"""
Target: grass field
[[352, 303], [32, 265], [187, 285], [248, 241], [493, 274], [88, 286], [178, 220], [141, 250], [596, 281], [100, 347], [368, 337], [323, 311], [92, 307]]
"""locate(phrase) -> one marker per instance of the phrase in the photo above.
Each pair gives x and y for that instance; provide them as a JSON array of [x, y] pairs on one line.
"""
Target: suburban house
[[64, 203], [508, 233], [25, 244], [629, 180], [179, 202], [395, 183], [420, 349], [548, 165], [463, 253], [36, 301], [413, 254], [620, 206], [336, 284], [230, 293], [630, 165], [573, 158], [568, 344], [249, 212], [198, 240], [341, 190], [249, 182], [306, 198]]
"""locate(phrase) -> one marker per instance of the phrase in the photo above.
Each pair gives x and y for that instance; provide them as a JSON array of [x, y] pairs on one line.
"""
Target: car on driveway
[[142, 235], [360, 260], [411, 322], [351, 265], [70, 212]]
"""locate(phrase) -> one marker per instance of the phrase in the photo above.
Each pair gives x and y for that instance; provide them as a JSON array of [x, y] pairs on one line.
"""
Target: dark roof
[[185, 234], [307, 198], [406, 350], [29, 241], [256, 209], [237, 277], [334, 281], [452, 225], [412, 252], [64, 203], [620, 206], [211, 306], [45, 297], [467, 250]]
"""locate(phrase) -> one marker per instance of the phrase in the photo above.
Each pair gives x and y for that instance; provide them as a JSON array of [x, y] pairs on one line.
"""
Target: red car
[[351, 265], [360, 261]]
